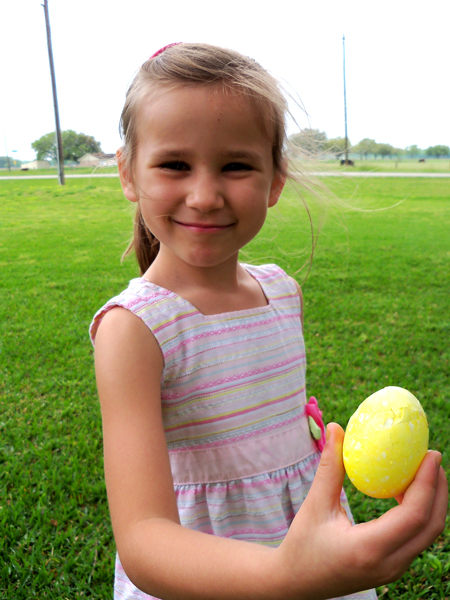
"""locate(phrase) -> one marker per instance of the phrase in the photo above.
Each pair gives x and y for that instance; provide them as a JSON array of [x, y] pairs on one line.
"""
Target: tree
[[399, 152], [8, 162], [413, 151], [438, 151], [336, 146], [75, 145], [311, 141], [365, 147], [45, 147], [385, 150]]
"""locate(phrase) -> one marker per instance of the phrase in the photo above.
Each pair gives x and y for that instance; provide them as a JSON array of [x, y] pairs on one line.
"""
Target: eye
[[175, 165], [237, 166]]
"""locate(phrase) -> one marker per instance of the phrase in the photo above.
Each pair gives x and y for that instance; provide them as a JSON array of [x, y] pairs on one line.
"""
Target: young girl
[[200, 365]]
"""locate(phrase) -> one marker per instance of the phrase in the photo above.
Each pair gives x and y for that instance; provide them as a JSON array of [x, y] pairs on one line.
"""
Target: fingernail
[[327, 433], [438, 459]]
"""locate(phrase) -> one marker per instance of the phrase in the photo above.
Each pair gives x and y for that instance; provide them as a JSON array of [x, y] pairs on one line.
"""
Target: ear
[[125, 178], [278, 181]]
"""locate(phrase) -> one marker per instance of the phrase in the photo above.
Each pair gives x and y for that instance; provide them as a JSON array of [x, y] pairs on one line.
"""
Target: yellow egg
[[385, 442]]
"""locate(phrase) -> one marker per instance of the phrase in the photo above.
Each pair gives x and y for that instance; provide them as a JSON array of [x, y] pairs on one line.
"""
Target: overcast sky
[[397, 62]]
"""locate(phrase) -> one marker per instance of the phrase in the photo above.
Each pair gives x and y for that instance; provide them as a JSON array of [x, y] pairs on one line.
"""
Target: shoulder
[[125, 349], [267, 270], [121, 300], [277, 283], [269, 274], [122, 331], [273, 275], [140, 298]]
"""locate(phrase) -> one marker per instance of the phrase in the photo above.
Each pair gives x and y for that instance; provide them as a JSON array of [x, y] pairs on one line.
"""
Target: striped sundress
[[233, 404]]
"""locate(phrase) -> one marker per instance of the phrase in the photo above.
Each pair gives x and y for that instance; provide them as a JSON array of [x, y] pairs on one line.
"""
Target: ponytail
[[144, 243]]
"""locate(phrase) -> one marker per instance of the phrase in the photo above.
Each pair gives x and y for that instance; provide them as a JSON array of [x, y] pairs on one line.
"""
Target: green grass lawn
[[376, 313], [54, 171]]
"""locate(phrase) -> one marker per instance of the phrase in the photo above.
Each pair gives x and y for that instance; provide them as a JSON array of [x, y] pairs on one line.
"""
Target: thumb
[[327, 485]]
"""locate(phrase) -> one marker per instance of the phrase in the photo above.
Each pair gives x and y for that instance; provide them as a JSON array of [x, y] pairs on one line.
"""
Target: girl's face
[[203, 174]]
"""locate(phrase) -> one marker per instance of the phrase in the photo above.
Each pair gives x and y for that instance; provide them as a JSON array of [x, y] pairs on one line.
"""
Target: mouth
[[204, 227]]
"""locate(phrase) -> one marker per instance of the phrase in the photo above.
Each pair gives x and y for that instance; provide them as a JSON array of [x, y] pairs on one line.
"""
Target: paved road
[[320, 174], [80, 176]]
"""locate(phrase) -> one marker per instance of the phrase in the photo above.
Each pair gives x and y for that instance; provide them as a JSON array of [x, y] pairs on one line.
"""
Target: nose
[[205, 193]]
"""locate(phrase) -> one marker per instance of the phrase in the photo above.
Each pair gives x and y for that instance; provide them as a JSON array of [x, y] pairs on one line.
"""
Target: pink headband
[[161, 50]]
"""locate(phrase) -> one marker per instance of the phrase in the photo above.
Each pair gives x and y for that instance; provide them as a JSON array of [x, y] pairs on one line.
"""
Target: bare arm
[[167, 560], [160, 557]]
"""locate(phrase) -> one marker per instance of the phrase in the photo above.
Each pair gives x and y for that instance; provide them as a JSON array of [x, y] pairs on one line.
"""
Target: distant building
[[36, 164], [97, 160]]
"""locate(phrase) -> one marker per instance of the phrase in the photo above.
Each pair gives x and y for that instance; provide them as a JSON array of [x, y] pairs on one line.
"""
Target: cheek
[[157, 192], [253, 193], [153, 210], [254, 217]]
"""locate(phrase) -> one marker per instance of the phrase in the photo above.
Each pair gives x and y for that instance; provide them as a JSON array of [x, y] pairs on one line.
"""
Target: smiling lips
[[203, 227]]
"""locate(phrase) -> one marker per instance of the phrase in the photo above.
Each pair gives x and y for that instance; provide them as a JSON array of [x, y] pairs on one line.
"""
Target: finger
[[420, 494], [328, 481], [436, 521], [403, 556], [404, 522]]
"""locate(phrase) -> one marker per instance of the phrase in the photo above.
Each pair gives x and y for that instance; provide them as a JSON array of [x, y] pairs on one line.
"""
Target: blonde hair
[[200, 64]]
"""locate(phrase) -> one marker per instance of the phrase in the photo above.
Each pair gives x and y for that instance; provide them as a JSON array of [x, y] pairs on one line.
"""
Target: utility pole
[[345, 105], [59, 152]]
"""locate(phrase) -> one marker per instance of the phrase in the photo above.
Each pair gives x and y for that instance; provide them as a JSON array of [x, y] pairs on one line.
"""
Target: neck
[[212, 290], [171, 273]]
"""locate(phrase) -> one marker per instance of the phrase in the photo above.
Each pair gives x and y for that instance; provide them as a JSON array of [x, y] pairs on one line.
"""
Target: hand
[[324, 556]]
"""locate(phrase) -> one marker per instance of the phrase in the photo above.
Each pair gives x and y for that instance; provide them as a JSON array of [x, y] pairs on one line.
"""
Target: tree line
[[316, 142], [75, 145], [313, 141], [6, 162]]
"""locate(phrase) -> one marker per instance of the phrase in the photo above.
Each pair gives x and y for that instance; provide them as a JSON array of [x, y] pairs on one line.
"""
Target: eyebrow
[[180, 154], [243, 154], [163, 154]]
